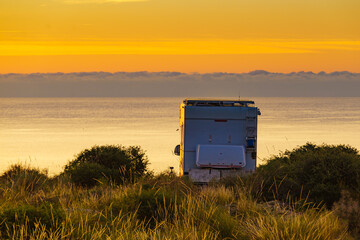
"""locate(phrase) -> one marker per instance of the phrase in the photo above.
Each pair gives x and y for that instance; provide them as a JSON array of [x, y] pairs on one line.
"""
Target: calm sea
[[48, 132]]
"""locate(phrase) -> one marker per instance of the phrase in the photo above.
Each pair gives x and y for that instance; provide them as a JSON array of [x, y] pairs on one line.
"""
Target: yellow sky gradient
[[173, 35]]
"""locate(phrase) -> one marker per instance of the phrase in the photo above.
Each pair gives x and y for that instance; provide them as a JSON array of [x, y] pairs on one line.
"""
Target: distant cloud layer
[[257, 83]]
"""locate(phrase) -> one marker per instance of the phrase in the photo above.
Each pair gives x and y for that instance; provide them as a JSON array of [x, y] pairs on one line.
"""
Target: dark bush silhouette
[[89, 174], [114, 163], [319, 172], [23, 177]]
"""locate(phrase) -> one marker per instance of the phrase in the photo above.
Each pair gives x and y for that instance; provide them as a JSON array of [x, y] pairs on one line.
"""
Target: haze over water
[[48, 132]]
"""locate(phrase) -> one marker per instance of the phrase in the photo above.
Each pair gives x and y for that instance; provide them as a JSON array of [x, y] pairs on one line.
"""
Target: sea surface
[[49, 132]]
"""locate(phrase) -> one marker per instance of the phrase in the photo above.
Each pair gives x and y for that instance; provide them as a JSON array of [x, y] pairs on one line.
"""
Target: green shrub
[[23, 178], [14, 216], [223, 223], [87, 174], [319, 172], [116, 163], [151, 205]]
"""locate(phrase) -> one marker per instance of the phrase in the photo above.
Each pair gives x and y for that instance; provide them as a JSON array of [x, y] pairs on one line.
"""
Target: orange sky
[[174, 35]]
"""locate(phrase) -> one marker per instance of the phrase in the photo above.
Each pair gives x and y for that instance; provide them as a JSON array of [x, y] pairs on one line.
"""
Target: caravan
[[218, 138]]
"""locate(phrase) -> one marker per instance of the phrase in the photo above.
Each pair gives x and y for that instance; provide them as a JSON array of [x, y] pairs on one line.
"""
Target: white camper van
[[218, 138]]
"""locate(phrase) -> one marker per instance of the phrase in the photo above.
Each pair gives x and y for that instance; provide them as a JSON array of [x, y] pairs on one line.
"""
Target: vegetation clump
[[317, 173], [114, 163], [23, 178], [19, 215]]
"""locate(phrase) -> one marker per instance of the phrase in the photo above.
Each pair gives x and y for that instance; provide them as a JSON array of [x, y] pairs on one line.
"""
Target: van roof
[[218, 102]]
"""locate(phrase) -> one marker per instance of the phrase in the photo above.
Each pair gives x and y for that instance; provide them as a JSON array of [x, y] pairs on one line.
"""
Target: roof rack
[[218, 103]]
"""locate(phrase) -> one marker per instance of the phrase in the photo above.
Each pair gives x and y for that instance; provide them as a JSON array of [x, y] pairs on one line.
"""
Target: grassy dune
[[33, 206], [311, 192]]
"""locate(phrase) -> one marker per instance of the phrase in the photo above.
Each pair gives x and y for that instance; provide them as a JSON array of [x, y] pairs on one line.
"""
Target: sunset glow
[[188, 36]]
